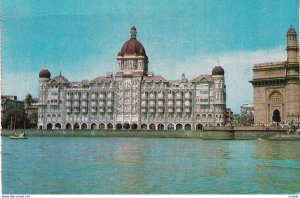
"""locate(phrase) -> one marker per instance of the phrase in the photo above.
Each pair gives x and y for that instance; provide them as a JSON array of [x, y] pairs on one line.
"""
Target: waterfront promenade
[[213, 133]]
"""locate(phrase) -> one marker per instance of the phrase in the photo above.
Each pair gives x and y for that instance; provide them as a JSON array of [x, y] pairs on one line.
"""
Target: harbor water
[[98, 165]]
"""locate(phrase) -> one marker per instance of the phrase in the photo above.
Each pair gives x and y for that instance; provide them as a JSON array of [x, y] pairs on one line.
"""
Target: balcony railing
[[160, 110], [160, 104], [151, 103], [76, 104], [94, 110], [69, 110], [84, 110], [160, 96], [152, 109], [84, 96], [76, 97], [101, 109], [170, 109], [187, 103], [187, 96]]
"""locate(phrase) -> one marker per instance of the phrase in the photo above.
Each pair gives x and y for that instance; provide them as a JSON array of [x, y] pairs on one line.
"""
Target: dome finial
[[133, 32]]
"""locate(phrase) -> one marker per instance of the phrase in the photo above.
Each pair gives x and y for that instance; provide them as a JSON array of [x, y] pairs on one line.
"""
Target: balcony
[[152, 109], [170, 110], [187, 103], [69, 97], [69, 110], [84, 110], [178, 103], [94, 97], [101, 109], [144, 96], [178, 96], [151, 103], [101, 96], [101, 104], [160, 104], [76, 110], [160, 96], [160, 110], [109, 109], [94, 104], [178, 109], [187, 110], [109, 96], [187, 96], [144, 109], [76, 104], [144, 103], [152, 96], [76, 97], [170, 103], [109, 104], [84, 96], [170, 96], [94, 110], [84, 103]]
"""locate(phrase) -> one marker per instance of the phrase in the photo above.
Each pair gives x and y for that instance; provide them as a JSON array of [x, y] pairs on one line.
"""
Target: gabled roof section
[[203, 78], [105, 79], [60, 79], [154, 78]]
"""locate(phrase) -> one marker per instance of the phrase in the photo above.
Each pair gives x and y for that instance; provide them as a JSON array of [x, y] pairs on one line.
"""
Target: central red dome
[[132, 46]]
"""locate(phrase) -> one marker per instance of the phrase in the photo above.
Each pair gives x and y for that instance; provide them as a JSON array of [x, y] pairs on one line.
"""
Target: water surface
[[58, 165]]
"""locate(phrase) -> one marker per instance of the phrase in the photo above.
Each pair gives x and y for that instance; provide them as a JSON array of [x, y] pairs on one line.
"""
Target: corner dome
[[132, 46], [291, 30], [218, 70], [44, 73]]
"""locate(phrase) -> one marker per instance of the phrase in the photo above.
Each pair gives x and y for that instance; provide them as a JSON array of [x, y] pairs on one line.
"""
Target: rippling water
[[50, 165]]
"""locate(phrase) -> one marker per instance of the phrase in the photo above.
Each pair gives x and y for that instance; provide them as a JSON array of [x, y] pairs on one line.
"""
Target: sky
[[82, 38]]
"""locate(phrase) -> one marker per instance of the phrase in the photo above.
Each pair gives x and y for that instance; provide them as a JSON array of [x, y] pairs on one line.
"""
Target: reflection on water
[[150, 166]]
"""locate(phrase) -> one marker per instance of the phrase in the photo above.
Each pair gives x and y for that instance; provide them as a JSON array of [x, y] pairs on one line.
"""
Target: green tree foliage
[[33, 119], [247, 119], [28, 100], [15, 117]]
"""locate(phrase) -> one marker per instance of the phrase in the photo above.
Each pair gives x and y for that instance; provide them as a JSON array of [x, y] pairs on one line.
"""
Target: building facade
[[132, 98], [247, 109], [276, 88], [10, 102]]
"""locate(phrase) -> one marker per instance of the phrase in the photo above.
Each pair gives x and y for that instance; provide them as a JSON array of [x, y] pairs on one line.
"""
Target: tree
[[33, 119], [15, 117], [247, 119], [28, 100]]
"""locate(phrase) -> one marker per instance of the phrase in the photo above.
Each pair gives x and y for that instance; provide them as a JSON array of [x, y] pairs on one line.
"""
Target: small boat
[[16, 136], [20, 136]]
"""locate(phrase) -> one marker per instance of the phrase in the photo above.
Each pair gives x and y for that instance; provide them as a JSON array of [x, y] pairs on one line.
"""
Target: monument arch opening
[[276, 116]]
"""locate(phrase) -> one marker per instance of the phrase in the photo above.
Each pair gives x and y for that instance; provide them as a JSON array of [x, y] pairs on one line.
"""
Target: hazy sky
[[82, 39]]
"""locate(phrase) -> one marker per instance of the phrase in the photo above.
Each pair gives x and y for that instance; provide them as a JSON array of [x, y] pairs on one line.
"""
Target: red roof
[[154, 78], [199, 78], [105, 79]]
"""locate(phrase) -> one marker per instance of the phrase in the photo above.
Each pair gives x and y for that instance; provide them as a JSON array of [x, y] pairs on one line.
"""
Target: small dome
[[132, 46], [218, 70], [44, 73], [291, 30]]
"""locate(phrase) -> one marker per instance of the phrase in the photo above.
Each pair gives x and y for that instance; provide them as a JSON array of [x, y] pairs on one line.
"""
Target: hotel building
[[132, 98]]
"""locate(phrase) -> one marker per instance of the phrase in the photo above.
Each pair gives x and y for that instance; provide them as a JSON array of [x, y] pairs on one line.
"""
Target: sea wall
[[107, 133], [208, 133], [241, 133]]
